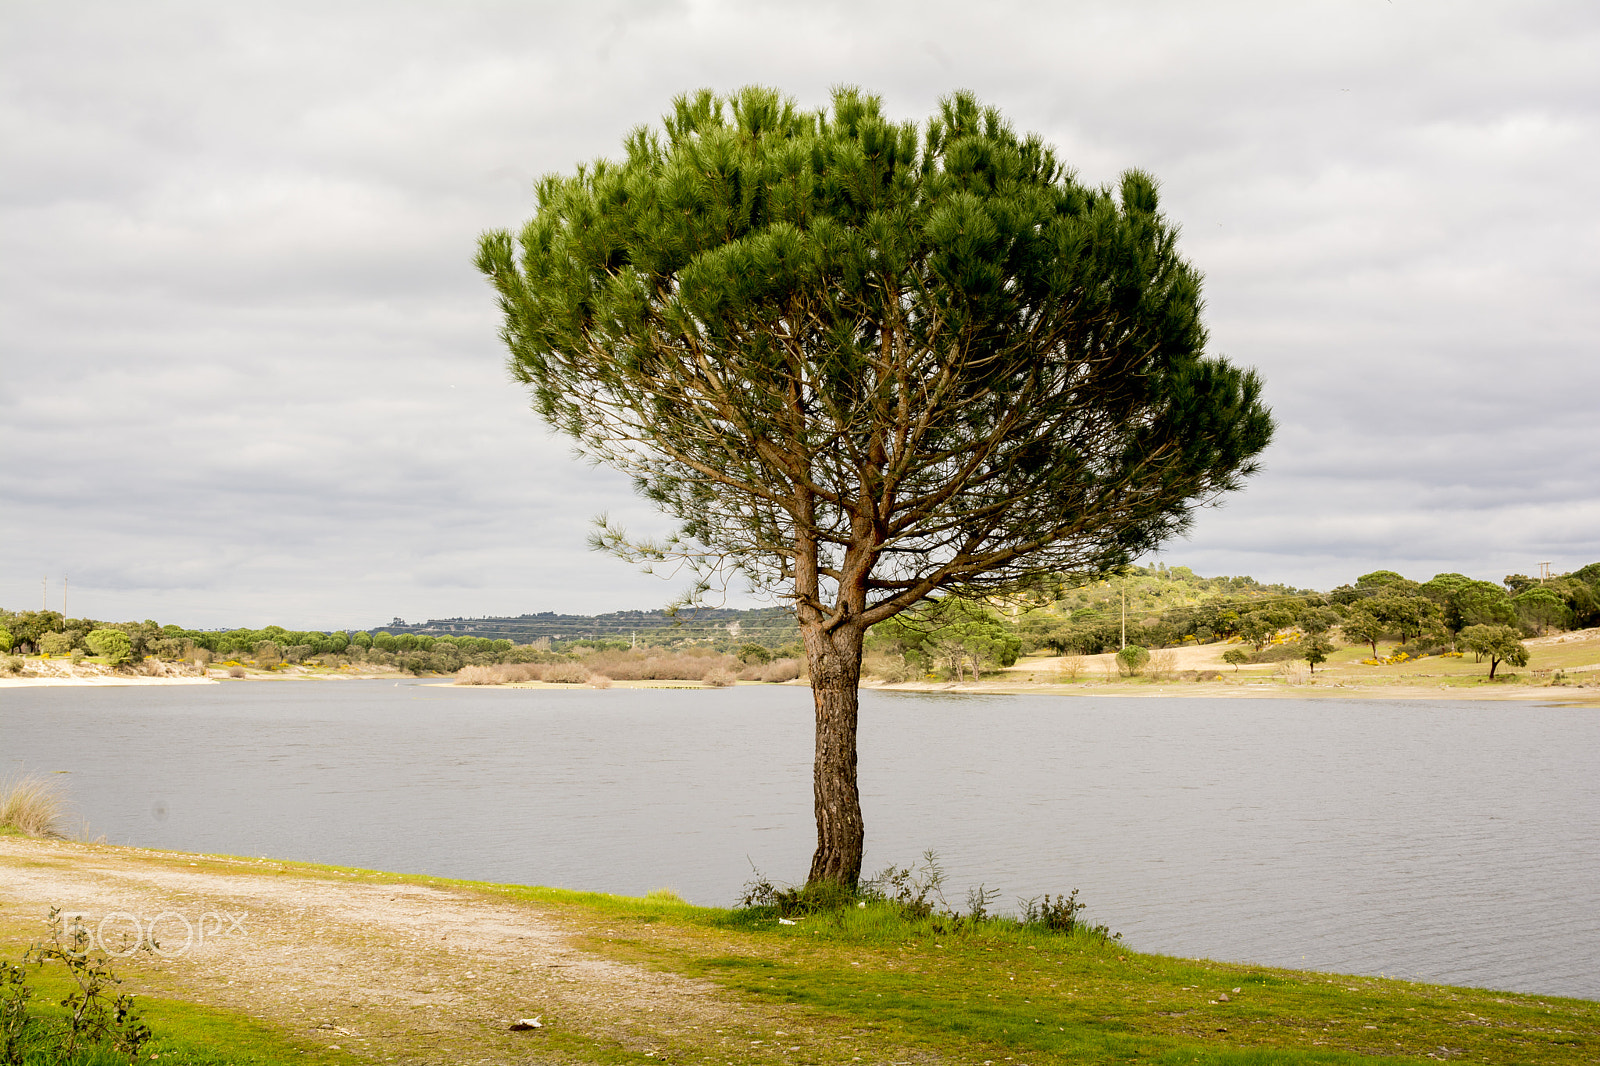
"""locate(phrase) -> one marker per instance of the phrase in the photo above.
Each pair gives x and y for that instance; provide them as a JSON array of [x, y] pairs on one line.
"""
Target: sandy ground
[[386, 969]]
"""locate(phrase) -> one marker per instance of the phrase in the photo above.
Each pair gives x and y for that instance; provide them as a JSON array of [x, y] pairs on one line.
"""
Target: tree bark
[[834, 657]]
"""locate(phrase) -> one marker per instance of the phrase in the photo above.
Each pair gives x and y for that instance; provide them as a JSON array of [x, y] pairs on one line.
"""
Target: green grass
[[188, 1034], [994, 991]]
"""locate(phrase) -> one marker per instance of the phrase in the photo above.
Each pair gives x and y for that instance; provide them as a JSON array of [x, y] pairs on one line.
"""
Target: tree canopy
[[862, 363]]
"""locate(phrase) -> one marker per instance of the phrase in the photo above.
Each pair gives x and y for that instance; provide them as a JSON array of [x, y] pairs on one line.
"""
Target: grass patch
[[32, 806]]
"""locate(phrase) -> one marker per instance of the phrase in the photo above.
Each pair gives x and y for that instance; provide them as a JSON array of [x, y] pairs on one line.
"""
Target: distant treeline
[[1157, 607], [1169, 607], [50, 633]]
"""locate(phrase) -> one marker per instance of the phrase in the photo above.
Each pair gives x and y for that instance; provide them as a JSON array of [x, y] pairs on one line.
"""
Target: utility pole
[[1544, 572], [63, 595], [1124, 610], [44, 598]]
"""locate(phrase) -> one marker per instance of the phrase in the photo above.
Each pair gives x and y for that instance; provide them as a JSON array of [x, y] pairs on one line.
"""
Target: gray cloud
[[250, 375]]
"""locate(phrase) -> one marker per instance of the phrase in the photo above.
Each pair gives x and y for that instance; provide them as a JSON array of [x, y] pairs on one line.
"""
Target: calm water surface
[[1437, 841]]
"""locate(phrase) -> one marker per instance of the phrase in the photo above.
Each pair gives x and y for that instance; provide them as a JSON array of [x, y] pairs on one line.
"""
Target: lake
[[1437, 841]]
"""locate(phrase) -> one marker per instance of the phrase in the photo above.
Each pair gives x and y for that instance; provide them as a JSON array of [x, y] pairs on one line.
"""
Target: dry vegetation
[[32, 806], [601, 669]]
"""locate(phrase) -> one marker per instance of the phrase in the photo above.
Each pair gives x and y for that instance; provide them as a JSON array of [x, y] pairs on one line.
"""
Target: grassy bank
[[1000, 993], [861, 984]]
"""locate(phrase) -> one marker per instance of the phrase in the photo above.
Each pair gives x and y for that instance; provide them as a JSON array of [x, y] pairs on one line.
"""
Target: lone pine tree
[[862, 363]]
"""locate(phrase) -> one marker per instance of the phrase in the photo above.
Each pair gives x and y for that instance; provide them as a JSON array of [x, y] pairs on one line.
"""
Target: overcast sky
[[248, 373]]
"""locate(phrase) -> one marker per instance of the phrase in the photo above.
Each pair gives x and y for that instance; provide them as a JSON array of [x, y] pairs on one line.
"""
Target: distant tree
[[1466, 602], [1257, 628], [7, 641], [1540, 608], [1315, 648], [55, 643], [863, 364], [1405, 613], [1498, 644], [28, 626], [1363, 627], [1236, 657], [1132, 659], [1318, 620], [1043, 629], [958, 632], [1519, 583], [111, 643], [1582, 600]]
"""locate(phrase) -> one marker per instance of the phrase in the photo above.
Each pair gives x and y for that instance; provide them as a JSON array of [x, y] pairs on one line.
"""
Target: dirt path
[[394, 971]]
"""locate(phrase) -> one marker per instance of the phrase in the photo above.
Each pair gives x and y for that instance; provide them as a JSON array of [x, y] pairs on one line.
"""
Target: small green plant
[[979, 900], [910, 889], [789, 901], [97, 1017], [1131, 660], [1058, 914]]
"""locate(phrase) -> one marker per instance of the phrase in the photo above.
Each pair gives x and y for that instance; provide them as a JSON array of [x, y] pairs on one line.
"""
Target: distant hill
[[1151, 591], [769, 626]]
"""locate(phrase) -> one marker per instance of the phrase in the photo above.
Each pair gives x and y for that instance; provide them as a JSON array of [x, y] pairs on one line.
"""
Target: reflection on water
[[1437, 841]]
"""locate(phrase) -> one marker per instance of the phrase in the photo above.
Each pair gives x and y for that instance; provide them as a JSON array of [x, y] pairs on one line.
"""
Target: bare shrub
[[752, 672], [599, 681], [235, 671], [566, 673], [717, 677], [32, 806], [781, 670], [1071, 667], [1163, 665], [1293, 672], [14, 664], [500, 674], [656, 665], [893, 670]]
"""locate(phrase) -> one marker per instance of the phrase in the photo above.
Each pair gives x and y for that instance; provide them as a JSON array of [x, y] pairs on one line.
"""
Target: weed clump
[[32, 806], [910, 900], [95, 1023]]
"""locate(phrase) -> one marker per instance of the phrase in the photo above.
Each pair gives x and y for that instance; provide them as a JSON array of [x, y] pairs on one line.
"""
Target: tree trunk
[[835, 661]]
